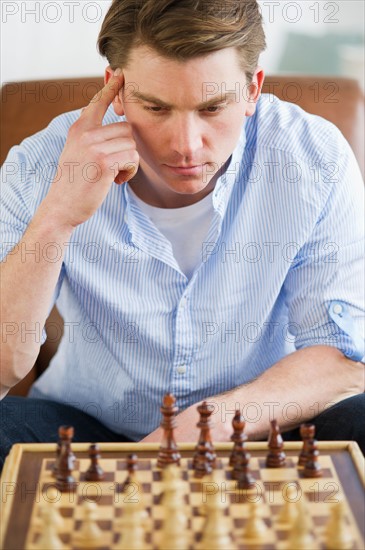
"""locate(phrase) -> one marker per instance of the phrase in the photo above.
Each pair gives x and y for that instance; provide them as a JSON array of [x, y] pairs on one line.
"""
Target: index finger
[[98, 106]]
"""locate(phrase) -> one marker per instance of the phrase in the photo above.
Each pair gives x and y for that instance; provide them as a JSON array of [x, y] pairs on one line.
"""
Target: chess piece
[[300, 535], [307, 432], [174, 534], [238, 437], [95, 471], [90, 534], [217, 528], [312, 468], [289, 511], [255, 529], [173, 487], [276, 455], [169, 453], [239, 458], [133, 491], [338, 535], [58, 452], [132, 467], [204, 457], [49, 539], [132, 524], [132, 530], [65, 481]]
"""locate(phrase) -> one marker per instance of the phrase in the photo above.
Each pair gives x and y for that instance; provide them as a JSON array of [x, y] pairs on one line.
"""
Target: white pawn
[[255, 527], [136, 497], [217, 530], [132, 528], [90, 533], [289, 510], [173, 489], [338, 536], [301, 537], [174, 534], [53, 497], [49, 539]]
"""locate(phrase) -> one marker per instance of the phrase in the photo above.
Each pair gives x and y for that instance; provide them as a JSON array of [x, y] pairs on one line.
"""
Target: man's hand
[[93, 157]]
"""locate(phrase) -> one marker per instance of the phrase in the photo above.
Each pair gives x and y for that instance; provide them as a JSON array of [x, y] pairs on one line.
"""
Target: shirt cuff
[[341, 316]]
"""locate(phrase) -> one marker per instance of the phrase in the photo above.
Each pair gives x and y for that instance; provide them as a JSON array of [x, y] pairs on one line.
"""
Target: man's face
[[186, 119]]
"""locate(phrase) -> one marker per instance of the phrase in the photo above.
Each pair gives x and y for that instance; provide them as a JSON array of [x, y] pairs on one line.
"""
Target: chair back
[[27, 107]]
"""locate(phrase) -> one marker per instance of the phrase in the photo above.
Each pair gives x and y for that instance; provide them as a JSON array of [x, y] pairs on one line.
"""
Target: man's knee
[[343, 421], [19, 419]]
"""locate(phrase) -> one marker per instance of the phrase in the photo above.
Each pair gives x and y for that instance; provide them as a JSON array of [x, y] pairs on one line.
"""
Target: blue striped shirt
[[284, 246]]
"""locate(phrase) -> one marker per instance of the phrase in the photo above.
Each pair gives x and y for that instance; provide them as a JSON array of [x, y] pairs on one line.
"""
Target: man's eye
[[154, 109], [215, 108]]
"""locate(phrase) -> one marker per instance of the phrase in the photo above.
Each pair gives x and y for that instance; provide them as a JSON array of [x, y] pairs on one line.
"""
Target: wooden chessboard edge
[[13, 461], [358, 459], [19, 448], [11, 466]]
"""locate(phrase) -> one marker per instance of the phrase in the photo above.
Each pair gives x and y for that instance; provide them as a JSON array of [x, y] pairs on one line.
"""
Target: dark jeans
[[26, 420]]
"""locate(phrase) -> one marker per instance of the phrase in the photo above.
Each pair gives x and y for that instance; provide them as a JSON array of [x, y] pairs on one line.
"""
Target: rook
[[312, 467], [276, 455], [65, 481], [307, 432], [95, 471]]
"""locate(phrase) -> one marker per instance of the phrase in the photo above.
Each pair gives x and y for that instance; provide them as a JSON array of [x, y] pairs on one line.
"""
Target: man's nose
[[187, 137]]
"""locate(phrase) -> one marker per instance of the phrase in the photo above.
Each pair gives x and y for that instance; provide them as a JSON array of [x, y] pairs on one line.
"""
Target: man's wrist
[[49, 221]]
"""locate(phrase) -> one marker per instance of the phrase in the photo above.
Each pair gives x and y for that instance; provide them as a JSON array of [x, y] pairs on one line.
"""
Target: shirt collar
[[226, 181]]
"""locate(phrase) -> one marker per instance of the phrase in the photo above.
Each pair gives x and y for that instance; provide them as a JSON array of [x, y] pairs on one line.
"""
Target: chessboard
[[28, 490]]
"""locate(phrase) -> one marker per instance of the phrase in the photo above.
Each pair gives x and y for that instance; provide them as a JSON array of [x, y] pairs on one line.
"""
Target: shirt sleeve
[[324, 288], [20, 195]]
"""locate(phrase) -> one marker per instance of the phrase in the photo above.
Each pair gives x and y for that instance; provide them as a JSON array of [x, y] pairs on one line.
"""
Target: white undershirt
[[185, 228]]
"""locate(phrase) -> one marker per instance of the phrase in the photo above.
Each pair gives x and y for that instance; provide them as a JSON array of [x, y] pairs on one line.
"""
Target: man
[[228, 268]]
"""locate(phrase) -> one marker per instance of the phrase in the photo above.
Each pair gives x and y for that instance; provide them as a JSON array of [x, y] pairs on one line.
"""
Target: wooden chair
[[27, 107]]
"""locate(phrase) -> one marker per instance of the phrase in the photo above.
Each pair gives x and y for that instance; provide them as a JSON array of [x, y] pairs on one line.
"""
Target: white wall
[[47, 39]]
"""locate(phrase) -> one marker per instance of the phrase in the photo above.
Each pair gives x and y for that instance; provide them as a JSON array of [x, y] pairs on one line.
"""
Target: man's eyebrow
[[151, 99]]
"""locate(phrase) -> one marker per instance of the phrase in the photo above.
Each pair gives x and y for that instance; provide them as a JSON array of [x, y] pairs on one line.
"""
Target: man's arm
[[294, 390], [28, 282], [27, 285]]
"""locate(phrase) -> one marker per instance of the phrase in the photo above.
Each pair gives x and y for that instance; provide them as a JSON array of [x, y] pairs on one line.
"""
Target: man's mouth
[[192, 170]]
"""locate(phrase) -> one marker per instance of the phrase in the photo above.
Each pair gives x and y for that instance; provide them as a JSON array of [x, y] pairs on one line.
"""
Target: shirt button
[[181, 370], [337, 309], [126, 218]]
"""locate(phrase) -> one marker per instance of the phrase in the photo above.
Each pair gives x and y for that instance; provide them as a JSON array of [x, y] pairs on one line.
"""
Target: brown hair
[[183, 29]]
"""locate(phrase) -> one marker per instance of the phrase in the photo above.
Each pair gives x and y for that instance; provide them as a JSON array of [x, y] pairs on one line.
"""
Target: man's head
[[191, 77], [183, 29]]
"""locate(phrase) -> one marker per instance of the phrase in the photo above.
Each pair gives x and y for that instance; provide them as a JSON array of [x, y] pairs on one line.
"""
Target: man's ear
[[253, 91], [118, 100]]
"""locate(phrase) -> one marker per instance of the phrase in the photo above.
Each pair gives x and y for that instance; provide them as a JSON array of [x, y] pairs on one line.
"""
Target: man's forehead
[[145, 57], [151, 77]]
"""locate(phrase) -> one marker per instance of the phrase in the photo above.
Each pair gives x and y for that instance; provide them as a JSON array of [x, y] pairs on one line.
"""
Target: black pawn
[[132, 466], [307, 432], [312, 468], [95, 471], [65, 482], [276, 456]]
